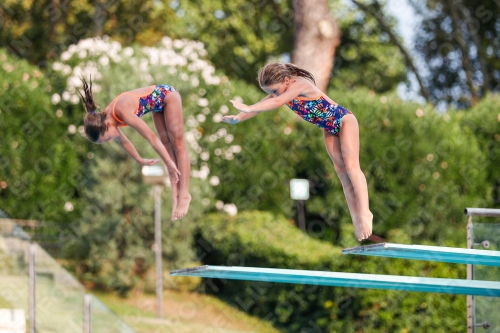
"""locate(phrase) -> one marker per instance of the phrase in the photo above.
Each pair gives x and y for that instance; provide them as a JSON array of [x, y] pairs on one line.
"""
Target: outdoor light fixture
[[154, 174], [299, 190]]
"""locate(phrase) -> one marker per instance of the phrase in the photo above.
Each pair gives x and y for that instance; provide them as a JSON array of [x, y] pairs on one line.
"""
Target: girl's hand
[[240, 106], [147, 161], [231, 119], [173, 172]]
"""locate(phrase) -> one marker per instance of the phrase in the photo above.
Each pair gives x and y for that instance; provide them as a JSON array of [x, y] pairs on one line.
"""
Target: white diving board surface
[[431, 253], [352, 280]]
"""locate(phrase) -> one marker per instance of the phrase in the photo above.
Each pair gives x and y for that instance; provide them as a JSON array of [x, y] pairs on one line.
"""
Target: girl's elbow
[[273, 106]]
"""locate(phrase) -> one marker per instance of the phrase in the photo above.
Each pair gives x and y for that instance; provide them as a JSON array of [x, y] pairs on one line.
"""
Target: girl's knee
[[179, 143], [352, 168]]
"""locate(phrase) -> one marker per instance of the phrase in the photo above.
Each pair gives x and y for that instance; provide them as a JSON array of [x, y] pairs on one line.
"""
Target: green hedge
[[38, 156], [483, 122], [259, 239]]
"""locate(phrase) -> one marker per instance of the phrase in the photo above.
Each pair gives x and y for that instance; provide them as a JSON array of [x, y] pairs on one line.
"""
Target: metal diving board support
[[352, 280], [431, 253]]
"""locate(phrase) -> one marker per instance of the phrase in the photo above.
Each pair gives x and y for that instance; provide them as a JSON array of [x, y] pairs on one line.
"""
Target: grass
[[4, 304], [183, 312]]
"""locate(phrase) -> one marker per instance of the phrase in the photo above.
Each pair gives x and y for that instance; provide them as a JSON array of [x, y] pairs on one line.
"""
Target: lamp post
[[157, 175], [299, 190]]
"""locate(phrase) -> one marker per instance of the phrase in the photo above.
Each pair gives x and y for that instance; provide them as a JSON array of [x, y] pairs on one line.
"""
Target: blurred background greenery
[[424, 162]]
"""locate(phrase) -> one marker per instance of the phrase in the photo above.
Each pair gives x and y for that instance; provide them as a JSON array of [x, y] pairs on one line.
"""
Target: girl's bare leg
[[161, 129], [174, 121], [332, 144], [349, 145]]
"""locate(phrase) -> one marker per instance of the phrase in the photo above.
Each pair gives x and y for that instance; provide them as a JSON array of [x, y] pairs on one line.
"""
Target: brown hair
[[275, 72], [93, 123]]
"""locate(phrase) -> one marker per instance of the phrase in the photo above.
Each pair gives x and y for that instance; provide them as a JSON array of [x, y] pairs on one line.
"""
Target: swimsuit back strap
[[139, 96], [113, 109], [310, 98], [131, 93]]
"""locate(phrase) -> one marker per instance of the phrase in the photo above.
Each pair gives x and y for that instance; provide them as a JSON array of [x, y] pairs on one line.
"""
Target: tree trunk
[[99, 18], [476, 39], [378, 15], [466, 63], [51, 9], [317, 35]]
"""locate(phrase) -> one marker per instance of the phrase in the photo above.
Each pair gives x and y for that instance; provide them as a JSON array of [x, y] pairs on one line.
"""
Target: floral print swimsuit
[[147, 103], [319, 111]]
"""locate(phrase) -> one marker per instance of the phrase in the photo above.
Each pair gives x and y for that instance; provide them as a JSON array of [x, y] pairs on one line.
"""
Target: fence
[[53, 300], [482, 311]]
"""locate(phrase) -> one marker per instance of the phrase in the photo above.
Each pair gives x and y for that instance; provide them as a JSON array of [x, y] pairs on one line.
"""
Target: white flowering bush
[[174, 57]]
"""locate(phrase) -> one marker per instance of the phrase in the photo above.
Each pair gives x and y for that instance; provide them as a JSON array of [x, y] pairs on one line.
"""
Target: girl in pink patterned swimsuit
[[127, 109], [290, 85]]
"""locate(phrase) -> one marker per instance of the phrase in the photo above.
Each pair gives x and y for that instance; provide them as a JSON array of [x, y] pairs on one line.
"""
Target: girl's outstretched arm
[[132, 152], [234, 119], [267, 104]]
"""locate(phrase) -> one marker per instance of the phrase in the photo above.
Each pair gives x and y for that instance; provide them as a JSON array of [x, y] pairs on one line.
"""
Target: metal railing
[[485, 243], [52, 298]]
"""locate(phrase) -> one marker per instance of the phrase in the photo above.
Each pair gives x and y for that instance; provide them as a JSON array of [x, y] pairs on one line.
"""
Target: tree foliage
[[40, 159], [483, 122], [41, 30], [366, 57], [441, 43], [241, 36]]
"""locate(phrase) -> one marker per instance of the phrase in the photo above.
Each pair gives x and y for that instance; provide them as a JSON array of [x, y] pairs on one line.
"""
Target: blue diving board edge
[[431, 253], [352, 280]]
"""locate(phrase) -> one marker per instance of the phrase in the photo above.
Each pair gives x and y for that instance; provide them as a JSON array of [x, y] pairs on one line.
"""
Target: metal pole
[[301, 213], [471, 327], [158, 249], [31, 286], [482, 212], [87, 313]]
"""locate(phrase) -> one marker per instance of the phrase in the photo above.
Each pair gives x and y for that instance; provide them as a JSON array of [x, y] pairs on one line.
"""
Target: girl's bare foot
[[363, 226], [366, 224], [182, 207]]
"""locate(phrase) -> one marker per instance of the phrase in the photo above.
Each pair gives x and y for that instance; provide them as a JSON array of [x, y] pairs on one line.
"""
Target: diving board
[[432, 253], [352, 280]]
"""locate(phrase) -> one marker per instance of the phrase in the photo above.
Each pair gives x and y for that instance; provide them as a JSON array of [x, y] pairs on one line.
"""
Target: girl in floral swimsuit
[[127, 109], [290, 85]]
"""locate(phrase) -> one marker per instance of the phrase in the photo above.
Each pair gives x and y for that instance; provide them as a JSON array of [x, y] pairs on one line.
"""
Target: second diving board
[[430, 253]]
